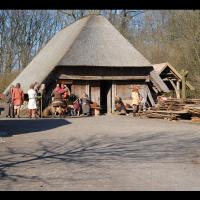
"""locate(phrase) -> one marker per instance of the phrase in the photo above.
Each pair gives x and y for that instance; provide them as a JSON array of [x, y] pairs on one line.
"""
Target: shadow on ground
[[103, 149], [22, 126]]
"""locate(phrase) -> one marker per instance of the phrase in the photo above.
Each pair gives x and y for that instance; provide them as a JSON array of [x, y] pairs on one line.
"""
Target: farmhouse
[[91, 56]]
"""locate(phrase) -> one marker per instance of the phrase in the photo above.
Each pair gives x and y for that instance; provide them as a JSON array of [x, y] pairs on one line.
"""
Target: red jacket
[[17, 96]]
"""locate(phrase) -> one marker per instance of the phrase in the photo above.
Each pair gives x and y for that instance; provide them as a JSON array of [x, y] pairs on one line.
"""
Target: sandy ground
[[99, 153]]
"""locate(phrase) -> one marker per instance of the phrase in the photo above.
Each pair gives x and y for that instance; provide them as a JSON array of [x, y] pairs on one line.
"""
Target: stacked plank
[[171, 109], [192, 101], [194, 110], [166, 114], [171, 104]]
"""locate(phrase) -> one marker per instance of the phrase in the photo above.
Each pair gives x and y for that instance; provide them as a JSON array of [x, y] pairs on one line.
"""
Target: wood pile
[[196, 119], [171, 104], [194, 110], [164, 114], [175, 109]]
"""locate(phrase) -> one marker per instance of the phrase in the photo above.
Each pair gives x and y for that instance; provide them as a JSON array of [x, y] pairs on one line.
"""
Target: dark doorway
[[105, 86]]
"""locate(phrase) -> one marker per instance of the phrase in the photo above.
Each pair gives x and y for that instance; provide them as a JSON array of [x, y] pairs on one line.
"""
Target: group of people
[[15, 99], [138, 102], [61, 97]]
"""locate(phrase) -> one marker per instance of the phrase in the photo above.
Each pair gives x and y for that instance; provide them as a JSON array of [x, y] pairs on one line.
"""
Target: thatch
[[100, 44], [50, 55], [159, 68], [91, 41]]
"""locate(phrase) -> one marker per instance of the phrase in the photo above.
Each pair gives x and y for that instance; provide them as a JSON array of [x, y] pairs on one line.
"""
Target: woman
[[32, 104], [17, 99], [85, 102], [135, 100], [77, 106]]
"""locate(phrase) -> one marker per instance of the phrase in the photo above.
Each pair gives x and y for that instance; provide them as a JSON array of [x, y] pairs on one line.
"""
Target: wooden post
[[184, 75], [109, 101], [178, 89], [175, 88], [88, 89], [113, 95], [42, 88], [41, 106]]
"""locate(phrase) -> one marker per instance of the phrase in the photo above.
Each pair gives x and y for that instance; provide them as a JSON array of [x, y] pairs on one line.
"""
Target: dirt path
[[99, 153]]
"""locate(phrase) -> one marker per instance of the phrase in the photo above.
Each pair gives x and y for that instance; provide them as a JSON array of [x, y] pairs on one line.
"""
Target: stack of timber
[[171, 104], [194, 110], [174, 109], [167, 114]]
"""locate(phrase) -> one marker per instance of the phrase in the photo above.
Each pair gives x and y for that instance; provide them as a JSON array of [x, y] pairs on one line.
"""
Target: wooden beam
[[190, 86], [150, 97], [175, 88], [167, 79], [75, 77], [154, 88], [109, 100], [88, 89], [178, 89], [184, 74], [113, 95]]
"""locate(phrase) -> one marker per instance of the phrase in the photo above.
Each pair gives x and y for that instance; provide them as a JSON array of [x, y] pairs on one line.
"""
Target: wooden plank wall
[[95, 91], [124, 91], [78, 88]]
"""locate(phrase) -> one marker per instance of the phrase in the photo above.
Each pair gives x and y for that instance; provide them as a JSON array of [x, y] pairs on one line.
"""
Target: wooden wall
[[95, 91], [78, 88], [124, 88]]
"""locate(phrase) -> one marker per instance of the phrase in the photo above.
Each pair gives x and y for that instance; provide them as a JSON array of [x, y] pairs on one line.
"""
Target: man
[[9, 107]]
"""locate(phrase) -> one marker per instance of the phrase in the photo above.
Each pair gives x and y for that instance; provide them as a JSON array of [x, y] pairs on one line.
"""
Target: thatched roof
[[101, 44], [90, 41], [159, 68]]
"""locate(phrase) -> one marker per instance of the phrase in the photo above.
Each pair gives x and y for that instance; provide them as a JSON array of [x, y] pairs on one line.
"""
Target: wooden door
[[95, 92]]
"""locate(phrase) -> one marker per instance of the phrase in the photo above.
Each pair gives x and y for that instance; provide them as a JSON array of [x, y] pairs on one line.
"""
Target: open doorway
[[105, 87]]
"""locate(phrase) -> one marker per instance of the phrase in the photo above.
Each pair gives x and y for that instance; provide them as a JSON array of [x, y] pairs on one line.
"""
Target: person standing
[[85, 102], [9, 107], [77, 106], [135, 100], [17, 99], [32, 104]]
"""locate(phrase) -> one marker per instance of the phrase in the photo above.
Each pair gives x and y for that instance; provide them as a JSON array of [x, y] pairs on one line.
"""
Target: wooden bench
[[95, 110]]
